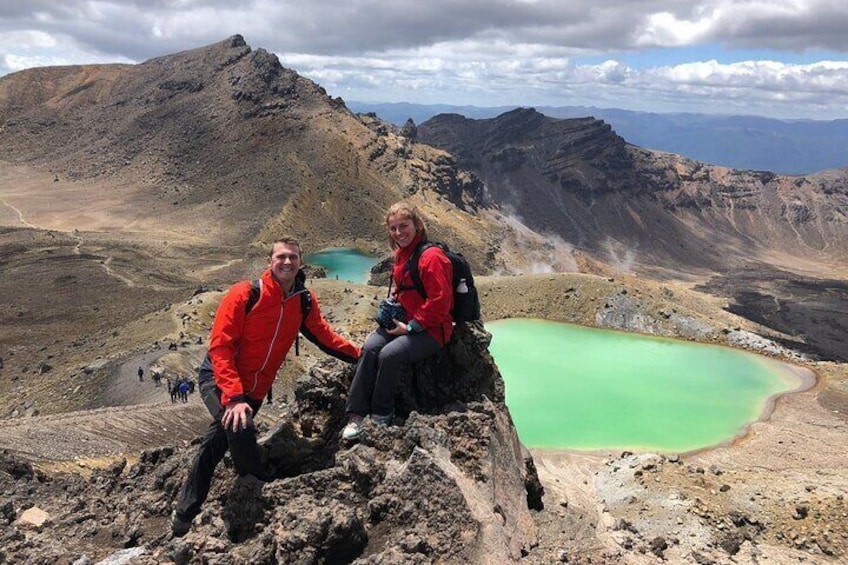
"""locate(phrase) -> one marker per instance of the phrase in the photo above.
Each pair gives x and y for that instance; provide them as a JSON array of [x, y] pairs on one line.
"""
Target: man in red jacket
[[249, 342]]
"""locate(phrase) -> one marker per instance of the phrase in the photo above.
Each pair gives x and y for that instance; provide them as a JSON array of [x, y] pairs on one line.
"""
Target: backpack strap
[[253, 295], [305, 308], [305, 305], [412, 267]]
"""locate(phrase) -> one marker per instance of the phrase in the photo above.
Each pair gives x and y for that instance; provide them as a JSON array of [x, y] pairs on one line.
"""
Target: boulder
[[449, 479], [410, 130], [463, 372], [95, 366], [33, 518]]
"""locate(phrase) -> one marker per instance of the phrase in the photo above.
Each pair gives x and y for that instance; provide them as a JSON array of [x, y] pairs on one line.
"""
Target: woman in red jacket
[[388, 351]]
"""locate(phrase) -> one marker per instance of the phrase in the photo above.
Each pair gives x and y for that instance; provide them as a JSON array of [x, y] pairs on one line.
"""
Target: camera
[[388, 311]]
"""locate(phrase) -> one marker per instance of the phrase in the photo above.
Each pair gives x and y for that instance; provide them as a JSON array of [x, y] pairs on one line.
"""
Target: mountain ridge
[[608, 197], [790, 147], [192, 136]]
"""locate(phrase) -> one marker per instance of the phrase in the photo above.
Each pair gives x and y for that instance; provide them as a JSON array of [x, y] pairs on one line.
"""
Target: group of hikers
[[179, 387], [254, 328]]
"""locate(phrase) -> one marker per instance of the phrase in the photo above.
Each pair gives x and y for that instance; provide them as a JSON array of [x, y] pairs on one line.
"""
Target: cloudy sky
[[777, 58]]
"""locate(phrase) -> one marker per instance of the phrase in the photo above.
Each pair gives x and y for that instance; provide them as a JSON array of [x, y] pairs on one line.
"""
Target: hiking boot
[[179, 527], [382, 420], [353, 428], [264, 458]]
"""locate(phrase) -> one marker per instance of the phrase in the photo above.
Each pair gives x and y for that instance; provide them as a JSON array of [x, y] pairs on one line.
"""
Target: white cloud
[[483, 52], [666, 30], [29, 48], [771, 24], [768, 87], [32, 39]]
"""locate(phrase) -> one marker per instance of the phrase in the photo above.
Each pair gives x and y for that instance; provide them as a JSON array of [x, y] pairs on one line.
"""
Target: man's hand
[[238, 416]]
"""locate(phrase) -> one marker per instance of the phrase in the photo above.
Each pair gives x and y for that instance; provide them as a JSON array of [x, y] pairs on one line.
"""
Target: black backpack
[[305, 307], [466, 302]]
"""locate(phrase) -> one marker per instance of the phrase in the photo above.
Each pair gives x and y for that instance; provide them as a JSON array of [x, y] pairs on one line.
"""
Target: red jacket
[[436, 271], [247, 351]]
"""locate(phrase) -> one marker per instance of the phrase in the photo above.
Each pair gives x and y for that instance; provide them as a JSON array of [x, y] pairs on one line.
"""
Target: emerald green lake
[[580, 388], [345, 263]]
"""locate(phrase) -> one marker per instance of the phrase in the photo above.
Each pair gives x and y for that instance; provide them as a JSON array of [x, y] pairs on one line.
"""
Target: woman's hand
[[400, 328]]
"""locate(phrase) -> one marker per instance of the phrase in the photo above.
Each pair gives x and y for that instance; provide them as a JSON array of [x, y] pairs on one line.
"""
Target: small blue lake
[[344, 263]]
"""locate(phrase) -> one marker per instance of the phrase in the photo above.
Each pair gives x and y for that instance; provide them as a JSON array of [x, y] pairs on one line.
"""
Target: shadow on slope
[[813, 312]]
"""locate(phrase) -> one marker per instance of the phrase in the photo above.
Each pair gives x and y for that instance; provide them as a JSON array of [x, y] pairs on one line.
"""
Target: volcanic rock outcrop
[[448, 482]]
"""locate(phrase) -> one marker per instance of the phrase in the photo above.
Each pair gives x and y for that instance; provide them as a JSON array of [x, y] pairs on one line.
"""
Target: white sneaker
[[382, 419], [353, 427]]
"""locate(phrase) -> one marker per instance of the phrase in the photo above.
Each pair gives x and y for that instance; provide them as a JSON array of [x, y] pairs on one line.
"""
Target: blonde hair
[[407, 211]]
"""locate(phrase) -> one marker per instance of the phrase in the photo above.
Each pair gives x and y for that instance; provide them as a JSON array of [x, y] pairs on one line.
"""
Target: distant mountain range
[[790, 147]]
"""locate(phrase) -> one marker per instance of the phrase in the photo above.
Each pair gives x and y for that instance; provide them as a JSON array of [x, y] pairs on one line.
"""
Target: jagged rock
[[202, 289], [15, 468], [94, 366], [380, 272], [451, 480], [409, 130], [465, 372], [701, 559], [315, 272], [123, 557], [7, 512], [732, 542], [658, 546]]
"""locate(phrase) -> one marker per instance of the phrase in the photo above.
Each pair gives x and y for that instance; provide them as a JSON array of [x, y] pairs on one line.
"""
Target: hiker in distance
[[396, 344], [255, 326]]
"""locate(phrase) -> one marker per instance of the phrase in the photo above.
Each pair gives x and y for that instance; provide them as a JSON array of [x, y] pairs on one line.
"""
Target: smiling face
[[402, 230], [284, 263]]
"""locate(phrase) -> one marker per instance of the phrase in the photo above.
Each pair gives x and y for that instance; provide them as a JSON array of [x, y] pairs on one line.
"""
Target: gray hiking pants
[[383, 359]]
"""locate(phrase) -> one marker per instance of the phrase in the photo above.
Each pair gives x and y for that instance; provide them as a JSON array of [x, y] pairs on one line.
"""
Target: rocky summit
[[448, 479], [223, 135]]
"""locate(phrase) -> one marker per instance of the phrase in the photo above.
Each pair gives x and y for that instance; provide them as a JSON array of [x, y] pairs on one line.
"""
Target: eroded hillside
[[222, 145], [772, 244], [642, 209]]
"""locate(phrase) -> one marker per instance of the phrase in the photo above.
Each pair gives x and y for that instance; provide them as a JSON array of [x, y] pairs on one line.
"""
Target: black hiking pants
[[242, 445], [383, 359]]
